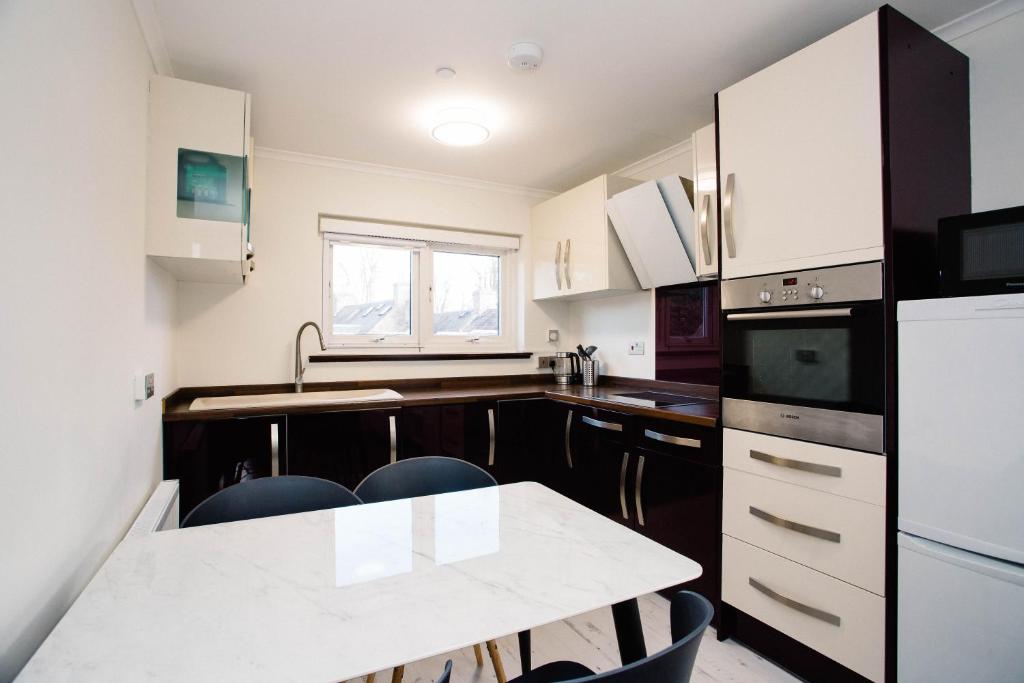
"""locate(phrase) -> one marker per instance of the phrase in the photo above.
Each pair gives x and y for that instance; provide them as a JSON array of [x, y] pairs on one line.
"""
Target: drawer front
[[840, 621], [841, 537], [852, 474], [678, 438], [607, 424]]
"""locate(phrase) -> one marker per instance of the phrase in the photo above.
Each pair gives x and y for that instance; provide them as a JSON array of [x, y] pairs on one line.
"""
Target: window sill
[[392, 357]]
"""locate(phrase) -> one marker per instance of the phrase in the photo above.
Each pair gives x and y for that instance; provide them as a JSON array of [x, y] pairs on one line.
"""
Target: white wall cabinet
[[800, 148], [705, 202], [576, 253], [199, 181]]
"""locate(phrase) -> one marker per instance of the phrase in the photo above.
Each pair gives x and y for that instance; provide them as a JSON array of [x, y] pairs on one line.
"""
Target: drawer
[[609, 424], [840, 621], [853, 474], [679, 438], [839, 536]]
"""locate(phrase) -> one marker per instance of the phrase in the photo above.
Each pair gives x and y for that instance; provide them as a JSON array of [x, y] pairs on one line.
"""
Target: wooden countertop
[[422, 392]]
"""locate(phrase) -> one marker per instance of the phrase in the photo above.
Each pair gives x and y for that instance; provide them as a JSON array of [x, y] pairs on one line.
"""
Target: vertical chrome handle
[[275, 450], [490, 444], [638, 492], [821, 614], [705, 209], [392, 439], [565, 262], [727, 215], [568, 450], [622, 485], [558, 265]]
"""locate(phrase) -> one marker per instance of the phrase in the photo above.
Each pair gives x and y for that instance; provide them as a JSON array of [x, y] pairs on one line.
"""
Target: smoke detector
[[525, 57]]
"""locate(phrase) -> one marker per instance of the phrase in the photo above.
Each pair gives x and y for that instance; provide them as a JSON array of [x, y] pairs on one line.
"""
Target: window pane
[[371, 288], [466, 294]]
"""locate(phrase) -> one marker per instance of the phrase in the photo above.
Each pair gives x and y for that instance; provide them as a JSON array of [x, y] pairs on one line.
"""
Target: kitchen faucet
[[299, 370]]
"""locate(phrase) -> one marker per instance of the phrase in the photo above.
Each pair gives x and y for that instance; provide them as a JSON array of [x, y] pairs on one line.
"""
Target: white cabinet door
[[801, 158], [705, 209]]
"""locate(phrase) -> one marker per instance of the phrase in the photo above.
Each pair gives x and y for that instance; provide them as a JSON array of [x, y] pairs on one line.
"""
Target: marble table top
[[336, 594]]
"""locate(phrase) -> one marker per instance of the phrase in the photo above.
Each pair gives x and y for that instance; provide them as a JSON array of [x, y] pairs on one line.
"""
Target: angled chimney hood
[[654, 222]]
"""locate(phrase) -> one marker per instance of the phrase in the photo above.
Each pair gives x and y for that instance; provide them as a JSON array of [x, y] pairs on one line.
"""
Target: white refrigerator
[[960, 598]]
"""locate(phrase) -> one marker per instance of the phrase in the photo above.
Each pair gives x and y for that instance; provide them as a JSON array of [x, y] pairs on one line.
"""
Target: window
[[385, 292]]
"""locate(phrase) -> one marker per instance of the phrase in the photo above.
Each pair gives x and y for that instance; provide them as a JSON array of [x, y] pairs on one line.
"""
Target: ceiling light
[[460, 127]]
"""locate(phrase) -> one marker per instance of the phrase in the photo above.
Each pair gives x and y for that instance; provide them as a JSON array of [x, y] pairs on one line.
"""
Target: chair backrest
[[426, 476], [446, 674], [268, 497], [690, 614]]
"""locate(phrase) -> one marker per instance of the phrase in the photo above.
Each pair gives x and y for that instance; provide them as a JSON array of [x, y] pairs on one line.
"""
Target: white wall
[[612, 324], [245, 335], [82, 310], [997, 111]]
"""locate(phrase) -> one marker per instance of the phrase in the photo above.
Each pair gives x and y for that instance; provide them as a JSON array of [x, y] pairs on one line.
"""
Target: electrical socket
[[544, 362], [636, 348]]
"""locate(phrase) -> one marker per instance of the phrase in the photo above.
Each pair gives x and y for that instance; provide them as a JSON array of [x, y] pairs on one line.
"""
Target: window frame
[[422, 337]]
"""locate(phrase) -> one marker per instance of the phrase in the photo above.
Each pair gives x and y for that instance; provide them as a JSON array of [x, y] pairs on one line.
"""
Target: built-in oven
[[803, 355]]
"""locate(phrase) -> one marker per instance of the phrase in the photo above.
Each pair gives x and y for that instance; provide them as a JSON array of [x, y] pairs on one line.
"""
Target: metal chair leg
[[499, 668]]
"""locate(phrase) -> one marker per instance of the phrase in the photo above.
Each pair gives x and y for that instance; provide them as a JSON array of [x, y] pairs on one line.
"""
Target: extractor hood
[[654, 222]]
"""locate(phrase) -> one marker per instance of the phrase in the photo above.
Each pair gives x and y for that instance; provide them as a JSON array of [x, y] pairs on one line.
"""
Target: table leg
[[524, 651], [629, 631]]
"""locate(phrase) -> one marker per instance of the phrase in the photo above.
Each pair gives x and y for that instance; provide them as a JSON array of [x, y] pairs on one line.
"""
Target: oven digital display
[[788, 281]]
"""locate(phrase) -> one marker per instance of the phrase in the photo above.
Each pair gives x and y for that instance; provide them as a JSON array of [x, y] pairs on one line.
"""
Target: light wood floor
[[590, 639]]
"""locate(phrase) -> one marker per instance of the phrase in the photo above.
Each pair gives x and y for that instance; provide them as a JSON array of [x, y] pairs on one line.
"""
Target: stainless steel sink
[[309, 398]]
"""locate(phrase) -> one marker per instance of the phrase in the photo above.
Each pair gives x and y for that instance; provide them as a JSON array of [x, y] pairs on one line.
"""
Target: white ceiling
[[622, 79]]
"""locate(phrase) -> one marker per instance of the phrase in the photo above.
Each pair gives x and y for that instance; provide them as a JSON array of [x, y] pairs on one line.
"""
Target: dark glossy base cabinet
[[661, 478]]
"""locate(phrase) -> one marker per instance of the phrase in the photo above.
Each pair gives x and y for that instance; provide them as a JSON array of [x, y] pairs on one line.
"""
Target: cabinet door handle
[[674, 440], [601, 424], [638, 491], [821, 614], [816, 468], [568, 450], [565, 262], [823, 534], [558, 265], [705, 209], [622, 485], [275, 450], [727, 215], [490, 430], [392, 438]]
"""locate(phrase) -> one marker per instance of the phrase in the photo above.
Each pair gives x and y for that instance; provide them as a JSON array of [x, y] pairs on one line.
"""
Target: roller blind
[[416, 233]]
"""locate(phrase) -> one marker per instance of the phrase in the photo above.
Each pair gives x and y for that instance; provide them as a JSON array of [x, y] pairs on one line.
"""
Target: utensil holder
[[591, 371]]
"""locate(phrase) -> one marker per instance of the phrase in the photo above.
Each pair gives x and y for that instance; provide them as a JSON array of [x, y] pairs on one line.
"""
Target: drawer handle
[[823, 534], [674, 440], [827, 470], [821, 614], [601, 424], [622, 484]]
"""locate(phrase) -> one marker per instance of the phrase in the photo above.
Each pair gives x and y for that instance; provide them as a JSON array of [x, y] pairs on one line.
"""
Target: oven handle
[[806, 313]]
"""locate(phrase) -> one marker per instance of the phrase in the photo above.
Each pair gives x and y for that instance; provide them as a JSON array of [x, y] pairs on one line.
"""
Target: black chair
[[268, 497], [426, 476], [446, 674], [429, 476], [691, 613]]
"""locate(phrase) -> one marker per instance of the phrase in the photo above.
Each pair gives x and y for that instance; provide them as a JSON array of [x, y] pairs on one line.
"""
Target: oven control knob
[[765, 296], [817, 292]]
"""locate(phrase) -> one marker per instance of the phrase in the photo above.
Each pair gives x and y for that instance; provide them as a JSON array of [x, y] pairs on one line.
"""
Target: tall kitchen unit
[[834, 166], [961, 540]]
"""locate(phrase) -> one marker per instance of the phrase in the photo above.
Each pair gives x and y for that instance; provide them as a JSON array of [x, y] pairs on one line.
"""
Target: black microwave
[[982, 253]]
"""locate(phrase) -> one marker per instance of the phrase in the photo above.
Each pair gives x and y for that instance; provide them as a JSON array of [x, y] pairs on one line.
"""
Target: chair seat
[[554, 672]]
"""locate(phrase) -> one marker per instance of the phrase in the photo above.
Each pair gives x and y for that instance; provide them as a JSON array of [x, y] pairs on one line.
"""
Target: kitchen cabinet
[[524, 441], [800, 152], [210, 455], [343, 446], [687, 335], [466, 431], [705, 202], [604, 469], [199, 172], [576, 253]]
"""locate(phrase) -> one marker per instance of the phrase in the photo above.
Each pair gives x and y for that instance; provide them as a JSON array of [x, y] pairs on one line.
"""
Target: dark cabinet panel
[[677, 504], [466, 431], [524, 440], [603, 467], [207, 456], [343, 446], [687, 335]]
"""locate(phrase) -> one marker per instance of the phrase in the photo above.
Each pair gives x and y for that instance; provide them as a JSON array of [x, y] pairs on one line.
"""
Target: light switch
[[636, 348], [145, 386], [552, 335]]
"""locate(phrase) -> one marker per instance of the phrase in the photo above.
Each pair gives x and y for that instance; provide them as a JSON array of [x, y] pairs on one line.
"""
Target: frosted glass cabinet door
[[800, 154]]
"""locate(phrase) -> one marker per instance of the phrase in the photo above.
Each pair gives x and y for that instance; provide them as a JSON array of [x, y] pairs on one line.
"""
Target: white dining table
[[337, 594]]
